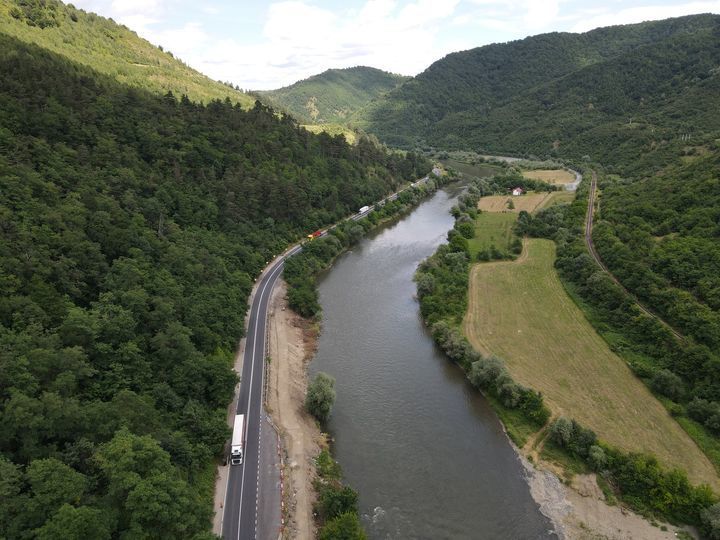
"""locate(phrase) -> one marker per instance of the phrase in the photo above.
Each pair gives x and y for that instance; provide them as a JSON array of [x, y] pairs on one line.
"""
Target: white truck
[[363, 209], [237, 445]]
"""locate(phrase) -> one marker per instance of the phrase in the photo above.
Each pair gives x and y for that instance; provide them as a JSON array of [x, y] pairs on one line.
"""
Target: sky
[[264, 45]]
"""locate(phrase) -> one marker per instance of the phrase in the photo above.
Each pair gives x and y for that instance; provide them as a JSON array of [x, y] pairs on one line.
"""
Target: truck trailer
[[237, 446], [363, 209]]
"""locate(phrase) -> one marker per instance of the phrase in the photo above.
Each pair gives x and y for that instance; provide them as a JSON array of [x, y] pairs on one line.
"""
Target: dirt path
[[589, 217], [291, 345]]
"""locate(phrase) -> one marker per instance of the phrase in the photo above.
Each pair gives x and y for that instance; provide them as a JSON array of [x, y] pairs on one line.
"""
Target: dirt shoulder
[[291, 346]]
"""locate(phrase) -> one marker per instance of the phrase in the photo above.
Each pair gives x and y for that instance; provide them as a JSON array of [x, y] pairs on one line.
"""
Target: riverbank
[[579, 511], [291, 345]]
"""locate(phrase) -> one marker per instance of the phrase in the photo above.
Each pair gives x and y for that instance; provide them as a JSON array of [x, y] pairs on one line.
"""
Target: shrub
[[597, 458], [335, 500], [668, 384], [484, 373], [711, 521], [344, 527], [320, 396]]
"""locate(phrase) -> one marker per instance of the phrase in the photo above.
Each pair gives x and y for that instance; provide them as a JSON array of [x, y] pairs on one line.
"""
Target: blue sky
[[263, 45]]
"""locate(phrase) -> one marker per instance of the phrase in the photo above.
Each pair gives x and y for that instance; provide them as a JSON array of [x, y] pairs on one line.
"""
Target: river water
[[425, 451]]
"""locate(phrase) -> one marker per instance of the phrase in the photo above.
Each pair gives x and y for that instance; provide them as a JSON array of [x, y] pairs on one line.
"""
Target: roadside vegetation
[[336, 508]]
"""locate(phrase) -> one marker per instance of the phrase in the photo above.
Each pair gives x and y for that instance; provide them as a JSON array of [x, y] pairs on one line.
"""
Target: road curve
[[594, 254], [240, 509]]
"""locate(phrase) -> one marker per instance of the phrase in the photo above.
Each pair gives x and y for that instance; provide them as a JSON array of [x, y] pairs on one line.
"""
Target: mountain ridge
[[333, 95]]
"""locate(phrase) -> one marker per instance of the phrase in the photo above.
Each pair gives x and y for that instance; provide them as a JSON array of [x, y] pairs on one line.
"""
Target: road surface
[[240, 509], [594, 254]]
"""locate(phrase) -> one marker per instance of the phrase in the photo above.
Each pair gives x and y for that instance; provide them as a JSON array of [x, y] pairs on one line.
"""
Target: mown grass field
[[492, 229], [554, 176], [530, 202], [520, 311]]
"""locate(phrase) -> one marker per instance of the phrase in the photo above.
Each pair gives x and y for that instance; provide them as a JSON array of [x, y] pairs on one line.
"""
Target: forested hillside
[[109, 48], [659, 236], [332, 96], [613, 95], [131, 228]]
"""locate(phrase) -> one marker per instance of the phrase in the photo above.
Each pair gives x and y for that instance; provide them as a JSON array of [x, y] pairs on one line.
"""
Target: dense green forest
[[132, 226], [334, 95], [109, 48], [634, 96]]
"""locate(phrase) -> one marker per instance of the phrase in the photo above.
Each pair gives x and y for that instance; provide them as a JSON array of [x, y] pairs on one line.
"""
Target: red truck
[[314, 235]]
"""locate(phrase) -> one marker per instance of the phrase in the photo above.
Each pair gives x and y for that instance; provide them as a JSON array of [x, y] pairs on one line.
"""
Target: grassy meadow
[[551, 176], [520, 311]]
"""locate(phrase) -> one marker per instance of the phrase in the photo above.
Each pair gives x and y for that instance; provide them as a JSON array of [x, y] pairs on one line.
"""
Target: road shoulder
[[291, 346]]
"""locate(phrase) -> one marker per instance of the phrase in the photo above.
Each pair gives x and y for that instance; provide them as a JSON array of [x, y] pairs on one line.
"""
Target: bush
[[484, 373], [597, 458], [335, 500], [668, 384], [711, 521], [344, 527], [320, 396]]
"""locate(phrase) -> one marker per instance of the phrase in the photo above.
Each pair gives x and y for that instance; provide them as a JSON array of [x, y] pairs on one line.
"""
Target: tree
[[320, 396], [561, 432], [72, 523], [668, 384]]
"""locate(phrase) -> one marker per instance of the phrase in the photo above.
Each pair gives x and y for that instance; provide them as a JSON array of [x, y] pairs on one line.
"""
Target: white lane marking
[[270, 279]]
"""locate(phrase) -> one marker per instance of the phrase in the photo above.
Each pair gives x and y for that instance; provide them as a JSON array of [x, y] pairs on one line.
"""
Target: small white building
[[517, 191]]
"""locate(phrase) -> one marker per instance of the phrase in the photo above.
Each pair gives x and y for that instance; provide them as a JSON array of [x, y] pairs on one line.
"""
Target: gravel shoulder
[[291, 346]]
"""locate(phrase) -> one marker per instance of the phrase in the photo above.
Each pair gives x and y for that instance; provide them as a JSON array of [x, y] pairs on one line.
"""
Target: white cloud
[[301, 39]]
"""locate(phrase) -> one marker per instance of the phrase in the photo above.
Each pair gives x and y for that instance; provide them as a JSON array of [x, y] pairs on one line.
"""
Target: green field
[[521, 312], [492, 229]]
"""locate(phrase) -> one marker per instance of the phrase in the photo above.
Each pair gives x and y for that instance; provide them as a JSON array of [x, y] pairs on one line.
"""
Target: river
[[425, 451]]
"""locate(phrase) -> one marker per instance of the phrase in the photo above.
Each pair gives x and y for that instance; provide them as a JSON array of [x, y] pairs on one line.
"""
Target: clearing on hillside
[[529, 202], [554, 176], [520, 312]]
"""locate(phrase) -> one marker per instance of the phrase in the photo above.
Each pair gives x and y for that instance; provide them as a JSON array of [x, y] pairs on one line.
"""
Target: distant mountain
[[109, 48], [612, 94], [332, 96]]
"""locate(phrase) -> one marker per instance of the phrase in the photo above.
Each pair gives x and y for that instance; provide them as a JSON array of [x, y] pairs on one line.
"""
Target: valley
[[511, 347]]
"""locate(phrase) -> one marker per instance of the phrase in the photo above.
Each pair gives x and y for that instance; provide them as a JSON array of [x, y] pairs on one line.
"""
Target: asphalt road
[[240, 518]]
